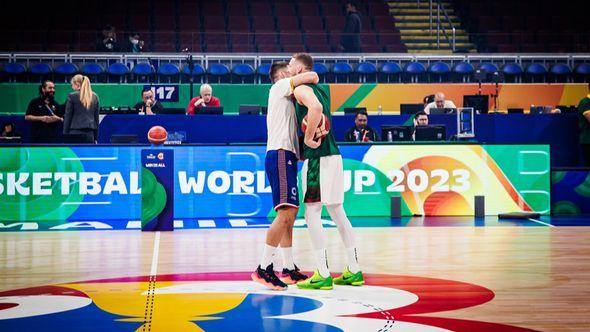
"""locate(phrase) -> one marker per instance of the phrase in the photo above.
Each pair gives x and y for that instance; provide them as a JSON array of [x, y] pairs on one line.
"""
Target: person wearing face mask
[[45, 115], [108, 42], [205, 99], [361, 132], [135, 44]]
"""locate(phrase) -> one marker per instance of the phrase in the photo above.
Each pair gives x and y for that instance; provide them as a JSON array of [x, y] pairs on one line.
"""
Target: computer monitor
[[123, 110], [249, 109], [173, 110], [443, 110], [515, 110], [410, 108], [354, 110], [10, 140], [396, 133], [210, 110], [430, 133], [480, 103]]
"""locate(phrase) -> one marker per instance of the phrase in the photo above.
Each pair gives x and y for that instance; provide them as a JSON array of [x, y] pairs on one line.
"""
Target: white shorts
[[331, 181]]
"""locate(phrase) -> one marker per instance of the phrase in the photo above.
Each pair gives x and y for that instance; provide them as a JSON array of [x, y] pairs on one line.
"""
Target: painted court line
[[154, 269], [540, 222]]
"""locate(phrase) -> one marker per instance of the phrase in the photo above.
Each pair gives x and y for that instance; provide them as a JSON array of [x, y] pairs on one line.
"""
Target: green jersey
[[328, 146], [584, 108]]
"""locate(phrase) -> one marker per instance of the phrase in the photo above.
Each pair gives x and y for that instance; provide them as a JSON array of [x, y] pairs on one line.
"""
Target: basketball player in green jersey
[[322, 181]]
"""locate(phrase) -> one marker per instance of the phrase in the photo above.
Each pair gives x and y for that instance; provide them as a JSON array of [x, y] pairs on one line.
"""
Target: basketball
[[157, 135], [322, 130]]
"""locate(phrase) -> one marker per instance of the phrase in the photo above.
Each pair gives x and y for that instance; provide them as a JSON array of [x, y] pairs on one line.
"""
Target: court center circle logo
[[230, 301]]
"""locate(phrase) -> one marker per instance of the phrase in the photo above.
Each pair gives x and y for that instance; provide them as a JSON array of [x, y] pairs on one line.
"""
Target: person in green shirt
[[584, 125], [322, 180]]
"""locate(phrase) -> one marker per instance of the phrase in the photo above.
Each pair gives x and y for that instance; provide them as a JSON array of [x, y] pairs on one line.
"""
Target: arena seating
[[200, 26]]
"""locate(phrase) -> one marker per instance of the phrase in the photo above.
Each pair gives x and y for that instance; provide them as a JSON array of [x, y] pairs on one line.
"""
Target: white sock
[[267, 256], [321, 257], [353, 263], [288, 258]]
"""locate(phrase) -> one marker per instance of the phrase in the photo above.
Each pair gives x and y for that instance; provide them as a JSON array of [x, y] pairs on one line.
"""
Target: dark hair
[[352, 3], [428, 99], [361, 112], [275, 68], [419, 113], [43, 86], [145, 90], [305, 59]]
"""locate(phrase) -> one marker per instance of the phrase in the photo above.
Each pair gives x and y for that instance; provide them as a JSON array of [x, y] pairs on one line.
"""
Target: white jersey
[[281, 122]]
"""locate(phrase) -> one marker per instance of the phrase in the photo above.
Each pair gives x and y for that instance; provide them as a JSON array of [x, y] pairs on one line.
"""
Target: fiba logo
[[161, 155]]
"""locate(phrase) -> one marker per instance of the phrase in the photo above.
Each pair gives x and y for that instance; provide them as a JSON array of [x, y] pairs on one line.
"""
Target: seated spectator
[[205, 99], [148, 104], [134, 43], [9, 130], [420, 119], [439, 102], [108, 42], [361, 132]]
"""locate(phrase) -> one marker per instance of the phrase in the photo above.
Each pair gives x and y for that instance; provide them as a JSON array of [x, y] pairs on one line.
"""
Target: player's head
[[421, 118], [300, 63], [47, 89], [206, 92], [279, 70], [361, 119], [439, 100], [147, 94]]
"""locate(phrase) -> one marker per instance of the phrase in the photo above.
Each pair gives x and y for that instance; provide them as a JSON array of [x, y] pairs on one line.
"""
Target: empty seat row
[[331, 72]]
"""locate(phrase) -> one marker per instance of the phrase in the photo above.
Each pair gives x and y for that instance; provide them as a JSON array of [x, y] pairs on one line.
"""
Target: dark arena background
[[470, 204]]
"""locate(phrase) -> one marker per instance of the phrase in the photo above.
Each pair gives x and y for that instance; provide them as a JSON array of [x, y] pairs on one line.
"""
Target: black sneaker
[[268, 278], [291, 277]]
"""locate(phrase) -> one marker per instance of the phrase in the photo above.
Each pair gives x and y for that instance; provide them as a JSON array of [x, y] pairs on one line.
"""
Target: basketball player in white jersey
[[281, 169]]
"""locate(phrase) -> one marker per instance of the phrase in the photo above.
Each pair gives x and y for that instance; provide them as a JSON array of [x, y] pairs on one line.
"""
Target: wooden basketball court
[[496, 277]]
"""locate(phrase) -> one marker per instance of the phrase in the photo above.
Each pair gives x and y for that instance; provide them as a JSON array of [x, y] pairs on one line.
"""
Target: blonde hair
[[85, 89]]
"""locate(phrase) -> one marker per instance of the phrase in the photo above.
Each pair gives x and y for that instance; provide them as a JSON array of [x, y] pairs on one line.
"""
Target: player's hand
[[312, 143], [199, 102]]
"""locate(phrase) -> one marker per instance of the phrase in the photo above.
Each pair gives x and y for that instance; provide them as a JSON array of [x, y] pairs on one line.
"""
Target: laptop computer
[[396, 133], [430, 133], [443, 110], [480, 103], [210, 110], [410, 108], [249, 110]]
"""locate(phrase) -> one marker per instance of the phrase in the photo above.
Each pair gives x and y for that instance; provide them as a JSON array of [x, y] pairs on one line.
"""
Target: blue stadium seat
[[66, 68], [92, 69], [464, 70], [118, 70], [583, 70], [14, 68], [536, 70], [340, 69], [388, 70], [262, 72], [168, 70], [488, 67], [244, 72], [143, 71], [320, 68], [439, 69], [40, 69], [414, 70], [219, 71], [512, 70], [560, 72], [366, 68], [198, 70]]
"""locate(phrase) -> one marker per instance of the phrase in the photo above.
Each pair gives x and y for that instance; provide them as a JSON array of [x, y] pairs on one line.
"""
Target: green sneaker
[[349, 278], [316, 281]]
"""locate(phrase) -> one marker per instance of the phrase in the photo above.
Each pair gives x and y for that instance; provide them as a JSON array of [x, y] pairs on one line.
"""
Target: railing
[[439, 27]]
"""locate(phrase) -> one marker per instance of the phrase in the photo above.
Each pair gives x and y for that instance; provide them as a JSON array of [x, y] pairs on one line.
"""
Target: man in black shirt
[[361, 132], [351, 40], [148, 104], [45, 114]]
